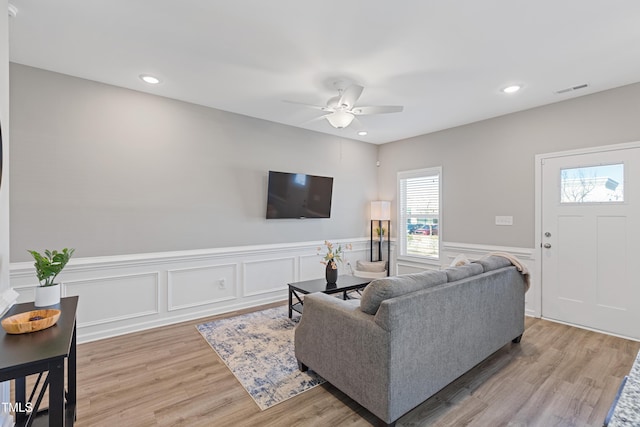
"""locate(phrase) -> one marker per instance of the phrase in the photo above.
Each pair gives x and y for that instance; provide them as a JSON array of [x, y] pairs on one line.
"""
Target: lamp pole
[[380, 240]]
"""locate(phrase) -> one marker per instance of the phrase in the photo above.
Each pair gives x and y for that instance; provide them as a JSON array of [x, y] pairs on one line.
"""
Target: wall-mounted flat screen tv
[[297, 195]]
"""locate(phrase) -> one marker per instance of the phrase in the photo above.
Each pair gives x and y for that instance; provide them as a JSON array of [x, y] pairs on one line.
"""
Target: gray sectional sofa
[[411, 335]]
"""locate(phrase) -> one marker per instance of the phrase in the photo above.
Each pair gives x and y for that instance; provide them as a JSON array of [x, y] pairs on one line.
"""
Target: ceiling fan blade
[[317, 119], [381, 109], [349, 96], [317, 107]]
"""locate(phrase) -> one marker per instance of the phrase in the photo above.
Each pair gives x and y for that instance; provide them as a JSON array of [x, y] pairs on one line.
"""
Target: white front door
[[591, 240]]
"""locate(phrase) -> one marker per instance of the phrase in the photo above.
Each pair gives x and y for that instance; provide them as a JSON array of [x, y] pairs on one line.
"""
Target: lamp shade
[[381, 210]]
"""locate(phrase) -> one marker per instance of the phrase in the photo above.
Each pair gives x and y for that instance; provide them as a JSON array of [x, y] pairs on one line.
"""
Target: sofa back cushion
[[391, 287], [492, 262], [463, 271]]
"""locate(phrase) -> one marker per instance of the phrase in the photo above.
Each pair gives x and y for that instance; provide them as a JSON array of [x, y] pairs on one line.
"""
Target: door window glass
[[592, 184]]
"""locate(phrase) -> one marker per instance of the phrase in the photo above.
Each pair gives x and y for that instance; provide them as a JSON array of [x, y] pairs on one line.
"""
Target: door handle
[[547, 245]]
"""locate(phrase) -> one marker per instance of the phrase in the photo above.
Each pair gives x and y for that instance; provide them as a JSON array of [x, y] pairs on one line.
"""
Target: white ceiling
[[445, 61]]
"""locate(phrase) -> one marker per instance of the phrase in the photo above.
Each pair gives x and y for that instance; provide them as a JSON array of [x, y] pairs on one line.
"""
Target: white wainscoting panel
[[310, 266], [123, 294], [269, 275], [115, 298], [128, 293], [197, 286]]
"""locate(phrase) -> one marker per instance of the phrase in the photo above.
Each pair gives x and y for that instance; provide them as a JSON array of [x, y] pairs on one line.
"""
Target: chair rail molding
[[128, 293]]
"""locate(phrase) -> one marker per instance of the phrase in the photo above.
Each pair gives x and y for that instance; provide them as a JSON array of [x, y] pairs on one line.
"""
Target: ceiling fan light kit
[[341, 109], [340, 119]]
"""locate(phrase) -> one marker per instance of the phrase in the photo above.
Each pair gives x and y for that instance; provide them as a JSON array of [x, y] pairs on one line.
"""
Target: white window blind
[[419, 213]]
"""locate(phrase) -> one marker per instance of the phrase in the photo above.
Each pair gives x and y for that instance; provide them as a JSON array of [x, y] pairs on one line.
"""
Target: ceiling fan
[[341, 109]]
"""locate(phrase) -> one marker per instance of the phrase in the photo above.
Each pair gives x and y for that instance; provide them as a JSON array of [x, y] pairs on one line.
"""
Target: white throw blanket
[[518, 264]]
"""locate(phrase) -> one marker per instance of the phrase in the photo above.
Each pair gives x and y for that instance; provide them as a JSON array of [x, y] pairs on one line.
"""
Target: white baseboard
[[586, 328]]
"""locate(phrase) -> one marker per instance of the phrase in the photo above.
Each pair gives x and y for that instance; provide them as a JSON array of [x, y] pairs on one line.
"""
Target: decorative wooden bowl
[[31, 321]]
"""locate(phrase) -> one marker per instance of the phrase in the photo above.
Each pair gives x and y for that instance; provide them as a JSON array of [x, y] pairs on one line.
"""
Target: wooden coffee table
[[344, 284]]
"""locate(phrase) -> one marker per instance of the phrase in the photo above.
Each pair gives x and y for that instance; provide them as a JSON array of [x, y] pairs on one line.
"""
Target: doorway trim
[[539, 158]]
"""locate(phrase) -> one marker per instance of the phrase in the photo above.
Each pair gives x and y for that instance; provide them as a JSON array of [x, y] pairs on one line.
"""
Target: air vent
[[572, 88]]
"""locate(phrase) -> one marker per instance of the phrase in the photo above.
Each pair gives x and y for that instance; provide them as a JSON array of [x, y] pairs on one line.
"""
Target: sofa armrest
[[336, 326], [346, 347]]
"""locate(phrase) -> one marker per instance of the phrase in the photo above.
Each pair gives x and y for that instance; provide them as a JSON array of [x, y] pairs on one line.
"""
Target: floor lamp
[[381, 211]]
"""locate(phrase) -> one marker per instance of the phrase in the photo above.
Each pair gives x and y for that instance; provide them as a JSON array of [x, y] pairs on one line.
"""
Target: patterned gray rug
[[258, 348]]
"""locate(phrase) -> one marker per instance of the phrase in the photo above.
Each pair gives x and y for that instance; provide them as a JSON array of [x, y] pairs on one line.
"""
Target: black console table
[[43, 353]]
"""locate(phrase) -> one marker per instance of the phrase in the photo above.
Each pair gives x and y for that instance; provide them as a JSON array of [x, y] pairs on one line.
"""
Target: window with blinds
[[419, 213]]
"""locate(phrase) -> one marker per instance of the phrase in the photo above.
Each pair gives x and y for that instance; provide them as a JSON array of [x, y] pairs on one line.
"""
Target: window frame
[[402, 231]]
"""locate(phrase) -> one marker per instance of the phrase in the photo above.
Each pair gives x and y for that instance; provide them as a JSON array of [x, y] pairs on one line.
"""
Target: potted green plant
[[48, 266]]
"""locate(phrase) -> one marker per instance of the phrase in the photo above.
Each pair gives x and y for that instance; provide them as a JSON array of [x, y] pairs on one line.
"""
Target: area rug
[[258, 348]]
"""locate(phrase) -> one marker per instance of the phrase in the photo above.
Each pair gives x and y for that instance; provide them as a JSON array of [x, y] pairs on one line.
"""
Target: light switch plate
[[504, 220]]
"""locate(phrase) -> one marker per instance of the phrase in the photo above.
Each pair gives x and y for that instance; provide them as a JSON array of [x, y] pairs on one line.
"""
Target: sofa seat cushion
[[463, 271], [391, 287]]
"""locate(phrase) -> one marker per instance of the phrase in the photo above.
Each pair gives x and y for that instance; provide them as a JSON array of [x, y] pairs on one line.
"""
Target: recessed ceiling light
[[512, 89], [149, 79], [362, 133]]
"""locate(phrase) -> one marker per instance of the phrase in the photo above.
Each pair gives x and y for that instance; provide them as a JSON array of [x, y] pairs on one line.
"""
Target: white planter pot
[[47, 295]]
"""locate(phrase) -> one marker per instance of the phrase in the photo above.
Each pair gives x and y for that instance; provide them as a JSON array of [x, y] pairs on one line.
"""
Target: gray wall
[[488, 166], [113, 171]]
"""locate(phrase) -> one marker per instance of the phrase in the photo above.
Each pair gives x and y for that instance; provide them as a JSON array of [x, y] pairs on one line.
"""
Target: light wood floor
[[557, 376]]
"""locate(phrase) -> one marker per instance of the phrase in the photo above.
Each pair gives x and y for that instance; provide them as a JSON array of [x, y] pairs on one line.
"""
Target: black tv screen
[[297, 195]]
